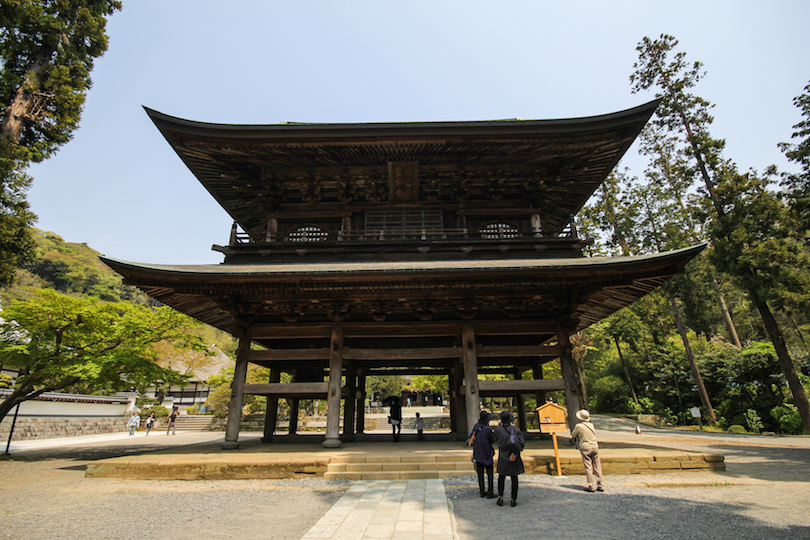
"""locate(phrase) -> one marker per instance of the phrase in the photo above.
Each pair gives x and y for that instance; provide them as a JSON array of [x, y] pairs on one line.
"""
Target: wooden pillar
[[271, 414], [521, 405], [568, 368], [293, 404], [272, 230], [350, 405], [452, 393], [237, 393], [537, 228], [537, 373], [333, 398], [472, 399], [361, 402]]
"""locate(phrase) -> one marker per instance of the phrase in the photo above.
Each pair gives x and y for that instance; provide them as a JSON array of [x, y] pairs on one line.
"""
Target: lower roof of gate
[[583, 290]]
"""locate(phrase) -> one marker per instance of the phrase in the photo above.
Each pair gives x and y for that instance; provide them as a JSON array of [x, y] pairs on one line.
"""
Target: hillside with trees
[[71, 325]]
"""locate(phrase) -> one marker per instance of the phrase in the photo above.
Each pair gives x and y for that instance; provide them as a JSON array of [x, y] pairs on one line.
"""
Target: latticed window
[[499, 230], [308, 234], [403, 220]]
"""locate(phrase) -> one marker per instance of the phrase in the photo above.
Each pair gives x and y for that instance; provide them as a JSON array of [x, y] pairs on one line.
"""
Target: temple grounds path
[[764, 493]]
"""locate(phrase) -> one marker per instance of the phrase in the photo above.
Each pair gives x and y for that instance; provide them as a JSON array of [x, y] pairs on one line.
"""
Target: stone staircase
[[396, 467], [192, 422]]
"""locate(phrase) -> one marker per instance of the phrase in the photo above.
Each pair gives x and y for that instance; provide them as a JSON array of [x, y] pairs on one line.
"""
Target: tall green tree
[[687, 115], [47, 49], [798, 184], [16, 241], [61, 342]]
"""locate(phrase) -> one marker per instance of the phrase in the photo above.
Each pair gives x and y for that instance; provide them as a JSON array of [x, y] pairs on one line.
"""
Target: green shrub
[[159, 410], [736, 428], [5, 381], [146, 402], [788, 418], [218, 400], [753, 420]]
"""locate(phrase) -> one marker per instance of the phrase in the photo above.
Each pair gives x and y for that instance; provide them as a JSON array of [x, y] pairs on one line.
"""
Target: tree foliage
[[747, 227], [17, 245], [47, 50], [60, 342], [72, 269], [798, 184]]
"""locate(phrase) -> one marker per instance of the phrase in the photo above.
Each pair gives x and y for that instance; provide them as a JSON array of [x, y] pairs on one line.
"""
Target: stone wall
[[55, 414], [28, 428]]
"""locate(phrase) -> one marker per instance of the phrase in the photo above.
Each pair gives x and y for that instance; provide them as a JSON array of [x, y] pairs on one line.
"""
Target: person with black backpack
[[510, 443], [481, 439]]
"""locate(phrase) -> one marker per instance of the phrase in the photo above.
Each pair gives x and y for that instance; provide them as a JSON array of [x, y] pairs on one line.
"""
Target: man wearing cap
[[583, 437]]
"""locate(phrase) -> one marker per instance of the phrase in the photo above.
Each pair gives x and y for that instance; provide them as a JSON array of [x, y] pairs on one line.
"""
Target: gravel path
[[764, 494], [45, 495], [52, 499]]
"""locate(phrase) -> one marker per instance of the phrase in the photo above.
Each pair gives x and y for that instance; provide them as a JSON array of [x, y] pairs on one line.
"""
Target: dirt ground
[[45, 495], [763, 494]]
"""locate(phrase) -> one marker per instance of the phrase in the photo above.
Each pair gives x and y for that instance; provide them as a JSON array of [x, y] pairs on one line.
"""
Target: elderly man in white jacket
[[584, 438]]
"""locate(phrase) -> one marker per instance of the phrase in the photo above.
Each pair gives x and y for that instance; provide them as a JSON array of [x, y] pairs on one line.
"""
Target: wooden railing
[[239, 237]]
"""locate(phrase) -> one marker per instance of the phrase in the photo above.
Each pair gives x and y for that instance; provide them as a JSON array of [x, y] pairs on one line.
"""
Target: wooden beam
[[287, 389], [273, 355], [409, 329], [353, 353], [521, 386], [408, 371], [506, 351], [401, 354]]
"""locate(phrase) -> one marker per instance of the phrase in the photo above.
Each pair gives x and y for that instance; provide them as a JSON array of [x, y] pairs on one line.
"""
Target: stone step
[[399, 467], [395, 475], [193, 423]]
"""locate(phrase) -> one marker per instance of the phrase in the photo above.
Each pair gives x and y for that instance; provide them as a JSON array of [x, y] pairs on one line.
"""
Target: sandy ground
[[764, 494], [45, 495]]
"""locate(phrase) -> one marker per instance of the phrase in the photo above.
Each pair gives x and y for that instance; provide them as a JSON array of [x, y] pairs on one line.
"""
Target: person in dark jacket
[[395, 418], [483, 453], [509, 462]]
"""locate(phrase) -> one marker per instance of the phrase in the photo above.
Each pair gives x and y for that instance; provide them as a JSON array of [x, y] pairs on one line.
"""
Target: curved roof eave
[[166, 123], [249, 272]]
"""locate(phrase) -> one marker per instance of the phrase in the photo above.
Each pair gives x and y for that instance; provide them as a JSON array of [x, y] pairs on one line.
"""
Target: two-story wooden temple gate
[[373, 249]]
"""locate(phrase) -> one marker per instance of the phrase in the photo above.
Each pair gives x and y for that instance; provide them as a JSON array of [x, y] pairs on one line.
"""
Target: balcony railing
[[239, 237]]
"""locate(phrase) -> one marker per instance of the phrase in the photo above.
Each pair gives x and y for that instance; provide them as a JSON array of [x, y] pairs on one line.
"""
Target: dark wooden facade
[[426, 248]]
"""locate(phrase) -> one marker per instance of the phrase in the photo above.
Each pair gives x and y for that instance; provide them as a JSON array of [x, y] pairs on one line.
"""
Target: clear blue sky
[[120, 188]]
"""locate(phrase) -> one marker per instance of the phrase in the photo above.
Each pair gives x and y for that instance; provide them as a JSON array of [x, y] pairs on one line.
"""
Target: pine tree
[[745, 242], [47, 49]]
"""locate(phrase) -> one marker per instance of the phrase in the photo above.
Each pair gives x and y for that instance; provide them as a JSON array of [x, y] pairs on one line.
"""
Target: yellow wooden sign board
[[552, 428]]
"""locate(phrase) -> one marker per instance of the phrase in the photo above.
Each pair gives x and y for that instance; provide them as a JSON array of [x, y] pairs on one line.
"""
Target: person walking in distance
[[583, 436], [134, 423], [395, 418], [150, 422], [420, 427], [481, 439], [171, 424], [510, 443]]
